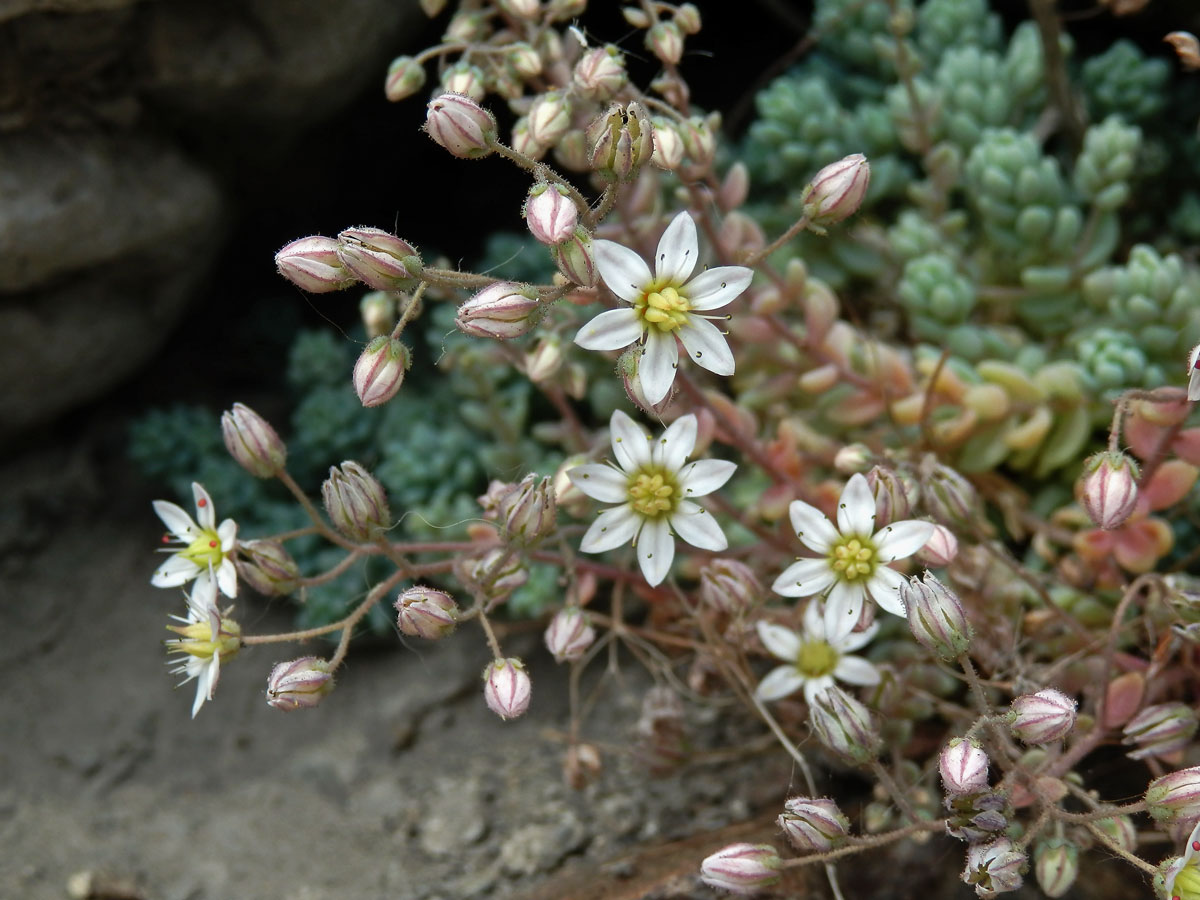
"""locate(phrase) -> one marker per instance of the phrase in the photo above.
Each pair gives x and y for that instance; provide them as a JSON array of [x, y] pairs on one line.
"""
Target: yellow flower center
[[816, 658], [205, 550], [663, 308], [196, 639], [653, 492], [853, 559], [1187, 883]]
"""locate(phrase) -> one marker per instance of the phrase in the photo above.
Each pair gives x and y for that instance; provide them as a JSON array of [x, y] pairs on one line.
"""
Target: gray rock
[[455, 817], [541, 847]]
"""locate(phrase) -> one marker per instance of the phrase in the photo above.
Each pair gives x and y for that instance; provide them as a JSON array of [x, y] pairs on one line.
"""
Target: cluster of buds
[[380, 369], [506, 687], [299, 684], [355, 501], [252, 442], [1108, 488], [742, 868], [935, 616], [372, 256], [426, 612], [1042, 717], [267, 567], [1160, 730], [500, 311], [569, 634], [814, 825]]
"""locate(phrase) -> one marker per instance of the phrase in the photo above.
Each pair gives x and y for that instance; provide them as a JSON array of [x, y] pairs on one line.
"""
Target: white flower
[[664, 306], [205, 638], [208, 554], [1194, 373], [654, 489], [814, 660], [1182, 874], [853, 562]]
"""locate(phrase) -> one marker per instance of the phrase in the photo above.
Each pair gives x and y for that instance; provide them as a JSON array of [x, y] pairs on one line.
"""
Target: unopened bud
[[299, 684], [405, 77], [313, 265], [252, 442], [378, 311], [355, 501], [524, 60], [549, 118], [668, 145], [495, 573], [466, 79], [600, 73], [1187, 48], [742, 868], [700, 141], [380, 369], [941, 548], [855, 458], [837, 191], [894, 495], [687, 17], [665, 40], [527, 512], [522, 9], [550, 213], [569, 634], [621, 141], [1108, 488], [995, 868], [506, 687], [522, 140], [575, 258], [1056, 866], [1121, 831], [947, 495], [1042, 717], [844, 725], [628, 365], [466, 26], [572, 151], [964, 767], [729, 586], [1175, 797], [1160, 730], [377, 258], [813, 825], [935, 616], [426, 612], [501, 311], [460, 125], [544, 361], [267, 567]]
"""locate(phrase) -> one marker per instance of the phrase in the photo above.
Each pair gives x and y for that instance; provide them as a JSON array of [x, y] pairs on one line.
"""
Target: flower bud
[[501, 311], [855, 458], [378, 311], [524, 60], [975, 818], [267, 567], [1042, 717], [460, 125], [947, 495], [1175, 797], [600, 73], [964, 767], [894, 495], [544, 361], [313, 265], [522, 140], [621, 142], [521, 9], [935, 616], [405, 77], [628, 364], [729, 586], [495, 573], [550, 213], [299, 684], [575, 258], [569, 634], [1056, 866], [549, 118], [665, 40], [1121, 831], [700, 141], [426, 612], [995, 868], [941, 548], [527, 511], [565, 10], [687, 17], [837, 191], [1187, 48], [813, 825], [355, 501], [742, 868], [466, 79], [668, 145], [1108, 488], [844, 725], [506, 687], [466, 26], [252, 442], [380, 370], [1160, 730], [378, 259]]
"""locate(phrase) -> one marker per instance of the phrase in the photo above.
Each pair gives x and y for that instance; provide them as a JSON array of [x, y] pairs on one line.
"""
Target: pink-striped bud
[[1108, 489], [252, 442], [575, 258], [313, 265], [844, 725], [569, 634], [742, 868], [837, 191], [466, 79], [380, 370], [1175, 797], [426, 612], [1160, 730], [964, 767], [299, 684], [665, 40], [356, 502], [506, 687], [549, 118], [460, 125], [550, 214], [600, 73], [1045, 716], [813, 825], [527, 510], [267, 567], [729, 586], [377, 258], [501, 311], [668, 145], [940, 549], [405, 77], [935, 616]]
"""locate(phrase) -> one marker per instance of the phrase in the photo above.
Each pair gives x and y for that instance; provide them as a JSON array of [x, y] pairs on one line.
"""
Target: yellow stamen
[[653, 493], [816, 658], [664, 308]]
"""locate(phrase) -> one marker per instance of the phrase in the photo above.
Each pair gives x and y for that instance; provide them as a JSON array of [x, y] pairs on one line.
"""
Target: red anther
[[202, 502], [166, 539], [1196, 846], [212, 543]]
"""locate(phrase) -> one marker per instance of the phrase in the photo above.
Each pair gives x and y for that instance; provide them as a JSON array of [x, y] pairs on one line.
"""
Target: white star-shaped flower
[[654, 486], [1182, 874], [1194, 373], [208, 552], [814, 660], [205, 638], [664, 306], [854, 557]]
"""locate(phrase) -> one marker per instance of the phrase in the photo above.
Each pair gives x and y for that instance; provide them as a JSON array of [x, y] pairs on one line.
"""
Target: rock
[[455, 816], [541, 847]]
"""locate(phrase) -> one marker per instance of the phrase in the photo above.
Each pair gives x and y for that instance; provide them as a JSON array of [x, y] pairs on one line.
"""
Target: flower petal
[[780, 682], [902, 539], [803, 578], [781, 642], [603, 483], [655, 550], [630, 443], [624, 272], [657, 366], [677, 252], [814, 622], [706, 346], [814, 530], [856, 670], [884, 588], [856, 508], [178, 522], [843, 606], [205, 514], [227, 577], [814, 686], [612, 528], [613, 329], [714, 288], [704, 476], [174, 572], [227, 534], [696, 525], [676, 444], [856, 640]]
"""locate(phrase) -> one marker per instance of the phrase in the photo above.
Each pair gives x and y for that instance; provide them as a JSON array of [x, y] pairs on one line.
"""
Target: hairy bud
[[600, 73], [549, 118], [729, 586], [665, 40], [1056, 866], [964, 767], [550, 214], [1160, 730], [299, 684], [815, 826], [844, 725], [1042, 717], [252, 442], [941, 549], [569, 634], [356, 502], [621, 141], [527, 511], [377, 258], [935, 616], [267, 567], [501, 311], [1175, 797], [575, 258], [380, 369], [405, 77], [837, 191], [378, 312], [313, 265], [1108, 488], [742, 868], [460, 125], [506, 687], [995, 868], [426, 612]]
